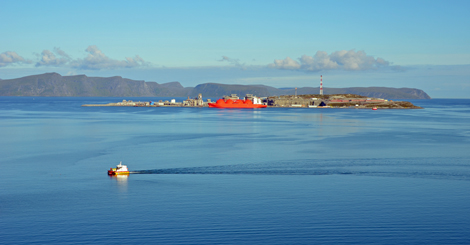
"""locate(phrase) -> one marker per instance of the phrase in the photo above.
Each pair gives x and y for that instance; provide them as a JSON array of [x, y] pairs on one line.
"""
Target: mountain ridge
[[54, 84]]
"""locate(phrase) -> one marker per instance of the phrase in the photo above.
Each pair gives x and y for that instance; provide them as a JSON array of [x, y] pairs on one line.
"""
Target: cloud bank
[[9, 58], [338, 60], [95, 60]]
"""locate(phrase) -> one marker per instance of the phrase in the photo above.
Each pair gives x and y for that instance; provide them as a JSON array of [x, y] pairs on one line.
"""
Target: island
[[283, 101]]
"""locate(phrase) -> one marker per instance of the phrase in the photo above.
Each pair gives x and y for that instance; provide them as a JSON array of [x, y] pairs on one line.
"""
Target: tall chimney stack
[[321, 84]]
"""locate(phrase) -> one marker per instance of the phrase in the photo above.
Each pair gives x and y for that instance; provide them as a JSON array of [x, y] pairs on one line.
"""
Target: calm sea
[[215, 176]]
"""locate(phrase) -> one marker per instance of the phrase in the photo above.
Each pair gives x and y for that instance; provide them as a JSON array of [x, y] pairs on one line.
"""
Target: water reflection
[[121, 181]]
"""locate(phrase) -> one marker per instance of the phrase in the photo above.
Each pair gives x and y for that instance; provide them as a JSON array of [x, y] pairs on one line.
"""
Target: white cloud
[[48, 58], [287, 63], [338, 60], [97, 60], [9, 57]]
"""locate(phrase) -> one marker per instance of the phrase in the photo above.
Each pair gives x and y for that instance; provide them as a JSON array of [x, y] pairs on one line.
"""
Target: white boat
[[120, 169]]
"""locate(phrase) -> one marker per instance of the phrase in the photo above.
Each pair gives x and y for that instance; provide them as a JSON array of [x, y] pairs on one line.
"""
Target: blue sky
[[417, 44]]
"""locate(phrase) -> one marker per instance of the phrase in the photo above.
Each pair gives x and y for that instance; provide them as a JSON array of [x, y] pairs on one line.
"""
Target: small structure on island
[[196, 102]]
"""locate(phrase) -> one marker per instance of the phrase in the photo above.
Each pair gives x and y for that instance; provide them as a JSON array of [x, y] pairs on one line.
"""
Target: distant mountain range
[[53, 84]]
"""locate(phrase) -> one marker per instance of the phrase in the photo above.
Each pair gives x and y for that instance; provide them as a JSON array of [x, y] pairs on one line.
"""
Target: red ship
[[235, 104]]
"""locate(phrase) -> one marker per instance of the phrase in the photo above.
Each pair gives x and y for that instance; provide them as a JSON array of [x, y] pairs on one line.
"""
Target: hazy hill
[[218, 90], [376, 92], [53, 84]]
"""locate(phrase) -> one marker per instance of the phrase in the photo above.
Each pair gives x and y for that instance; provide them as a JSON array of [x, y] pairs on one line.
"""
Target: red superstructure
[[235, 104]]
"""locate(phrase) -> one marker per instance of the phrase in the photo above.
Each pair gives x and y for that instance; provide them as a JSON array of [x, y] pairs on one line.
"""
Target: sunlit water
[[215, 176]]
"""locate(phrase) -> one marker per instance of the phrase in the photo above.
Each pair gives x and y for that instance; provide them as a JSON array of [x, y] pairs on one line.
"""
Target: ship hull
[[247, 106], [117, 173]]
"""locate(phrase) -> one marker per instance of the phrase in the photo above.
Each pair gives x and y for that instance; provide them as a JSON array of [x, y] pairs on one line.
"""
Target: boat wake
[[440, 168]]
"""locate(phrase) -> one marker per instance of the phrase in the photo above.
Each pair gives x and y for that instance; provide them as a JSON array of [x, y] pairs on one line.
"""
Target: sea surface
[[233, 176]]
